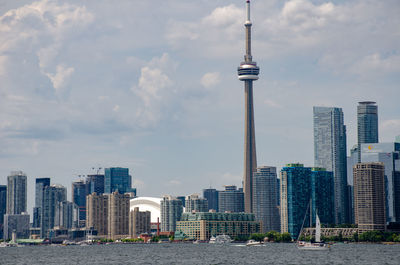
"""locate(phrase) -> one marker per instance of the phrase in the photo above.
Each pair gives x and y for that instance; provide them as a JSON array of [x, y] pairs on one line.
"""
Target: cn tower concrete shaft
[[248, 72]]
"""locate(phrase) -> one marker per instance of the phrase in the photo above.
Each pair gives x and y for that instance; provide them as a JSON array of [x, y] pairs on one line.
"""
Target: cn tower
[[248, 72]]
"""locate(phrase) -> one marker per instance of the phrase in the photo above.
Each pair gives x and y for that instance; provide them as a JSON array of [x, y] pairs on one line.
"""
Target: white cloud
[[154, 89], [59, 78], [210, 79]]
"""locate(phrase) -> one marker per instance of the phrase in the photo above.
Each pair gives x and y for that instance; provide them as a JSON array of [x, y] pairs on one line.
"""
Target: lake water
[[200, 254]]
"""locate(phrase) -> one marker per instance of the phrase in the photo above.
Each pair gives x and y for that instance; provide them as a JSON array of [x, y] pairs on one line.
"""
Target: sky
[[152, 85]]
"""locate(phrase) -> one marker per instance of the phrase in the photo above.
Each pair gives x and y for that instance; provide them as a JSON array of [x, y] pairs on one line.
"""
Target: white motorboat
[[252, 242], [221, 239]]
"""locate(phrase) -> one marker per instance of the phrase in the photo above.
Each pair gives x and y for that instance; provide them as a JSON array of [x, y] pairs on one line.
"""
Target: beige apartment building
[[369, 196], [139, 222], [108, 214]]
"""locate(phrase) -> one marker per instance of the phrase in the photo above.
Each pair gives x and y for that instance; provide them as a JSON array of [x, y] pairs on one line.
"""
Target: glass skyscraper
[[231, 200], [79, 192], [40, 184], [367, 124], [295, 197], [322, 195], [117, 179], [212, 197], [16, 193], [195, 203], [95, 183], [171, 212], [52, 195], [265, 204], [330, 153]]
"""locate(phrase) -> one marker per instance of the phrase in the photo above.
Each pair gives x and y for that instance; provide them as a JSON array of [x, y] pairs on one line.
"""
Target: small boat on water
[[221, 239], [317, 245], [252, 242]]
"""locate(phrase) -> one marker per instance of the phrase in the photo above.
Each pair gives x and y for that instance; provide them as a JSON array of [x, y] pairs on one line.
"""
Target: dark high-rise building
[[248, 72], [231, 200], [322, 195], [3, 207], [265, 205], [16, 193], [40, 184], [95, 183], [182, 199], [79, 189], [117, 179], [212, 197], [330, 153], [367, 124], [369, 196], [52, 195]]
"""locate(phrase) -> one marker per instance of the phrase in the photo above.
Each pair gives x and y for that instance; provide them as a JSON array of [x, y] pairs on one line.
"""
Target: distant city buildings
[[212, 197], [171, 212], [196, 204], [231, 199], [16, 193], [201, 226], [330, 153], [265, 204], [369, 196]]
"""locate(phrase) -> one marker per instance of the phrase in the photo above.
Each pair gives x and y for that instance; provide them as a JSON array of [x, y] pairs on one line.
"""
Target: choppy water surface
[[200, 254]]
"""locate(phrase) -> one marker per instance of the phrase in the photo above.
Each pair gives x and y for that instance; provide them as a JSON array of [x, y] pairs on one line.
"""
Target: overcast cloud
[[151, 85]]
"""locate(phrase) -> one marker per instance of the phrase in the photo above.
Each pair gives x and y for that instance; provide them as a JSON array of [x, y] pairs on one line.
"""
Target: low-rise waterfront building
[[203, 225]]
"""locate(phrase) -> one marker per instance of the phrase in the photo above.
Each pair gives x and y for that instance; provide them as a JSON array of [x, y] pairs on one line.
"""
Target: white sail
[[317, 229]]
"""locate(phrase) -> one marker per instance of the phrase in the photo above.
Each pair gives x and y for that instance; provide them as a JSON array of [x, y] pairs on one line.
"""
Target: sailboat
[[318, 245]]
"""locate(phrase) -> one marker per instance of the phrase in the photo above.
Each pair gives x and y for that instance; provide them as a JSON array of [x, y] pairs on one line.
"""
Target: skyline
[[79, 90]]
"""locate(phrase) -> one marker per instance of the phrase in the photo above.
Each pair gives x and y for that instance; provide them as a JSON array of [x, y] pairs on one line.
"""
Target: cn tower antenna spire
[[248, 72]]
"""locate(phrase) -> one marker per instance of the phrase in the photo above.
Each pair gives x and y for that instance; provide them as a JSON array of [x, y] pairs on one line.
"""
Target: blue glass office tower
[[322, 195], [212, 197], [117, 179], [295, 197], [330, 153]]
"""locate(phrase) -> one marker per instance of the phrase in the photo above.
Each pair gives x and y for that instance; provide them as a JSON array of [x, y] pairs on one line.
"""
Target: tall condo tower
[[248, 72], [367, 124]]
